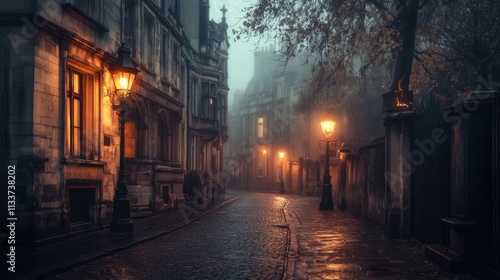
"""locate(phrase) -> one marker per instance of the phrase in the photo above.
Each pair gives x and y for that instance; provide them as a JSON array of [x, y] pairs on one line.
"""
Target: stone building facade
[[59, 108]]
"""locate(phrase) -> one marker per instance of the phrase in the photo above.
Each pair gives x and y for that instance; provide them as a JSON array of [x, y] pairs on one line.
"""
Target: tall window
[[213, 102], [260, 127], [279, 91], [209, 101], [223, 108], [205, 96], [164, 56], [74, 109], [90, 7], [175, 64], [129, 25], [260, 166], [223, 70], [130, 140], [194, 97], [148, 38], [244, 126], [212, 108], [136, 135], [192, 154], [163, 128], [182, 81]]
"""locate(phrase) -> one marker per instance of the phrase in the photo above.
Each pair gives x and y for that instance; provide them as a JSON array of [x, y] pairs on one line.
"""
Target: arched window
[[136, 131]]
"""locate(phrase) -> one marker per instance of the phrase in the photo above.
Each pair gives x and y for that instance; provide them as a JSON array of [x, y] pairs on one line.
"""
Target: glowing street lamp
[[326, 203], [124, 73], [282, 185]]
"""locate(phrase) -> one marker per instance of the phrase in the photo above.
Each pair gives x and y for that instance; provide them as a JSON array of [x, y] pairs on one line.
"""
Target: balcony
[[205, 124]]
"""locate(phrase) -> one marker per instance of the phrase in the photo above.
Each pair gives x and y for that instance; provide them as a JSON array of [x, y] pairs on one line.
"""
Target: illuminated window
[[81, 113], [260, 127], [74, 108]]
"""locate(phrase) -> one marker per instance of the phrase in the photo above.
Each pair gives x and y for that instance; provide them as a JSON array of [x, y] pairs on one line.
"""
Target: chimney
[[204, 21]]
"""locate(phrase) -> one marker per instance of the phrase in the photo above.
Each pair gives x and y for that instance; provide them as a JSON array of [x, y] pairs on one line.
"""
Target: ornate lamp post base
[[326, 197], [121, 212], [282, 187]]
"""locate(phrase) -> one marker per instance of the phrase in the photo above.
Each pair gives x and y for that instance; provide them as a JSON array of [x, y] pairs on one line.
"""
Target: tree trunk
[[407, 15]]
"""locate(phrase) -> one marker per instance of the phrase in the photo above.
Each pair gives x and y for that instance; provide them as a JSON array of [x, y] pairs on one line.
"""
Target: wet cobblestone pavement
[[259, 236], [239, 241], [342, 245]]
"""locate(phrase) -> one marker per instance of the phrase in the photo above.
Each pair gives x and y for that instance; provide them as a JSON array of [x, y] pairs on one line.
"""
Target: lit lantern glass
[[328, 127], [123, 72]]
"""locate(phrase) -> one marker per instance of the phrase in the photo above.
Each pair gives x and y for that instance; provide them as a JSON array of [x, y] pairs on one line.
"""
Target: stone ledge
[[445, 258]]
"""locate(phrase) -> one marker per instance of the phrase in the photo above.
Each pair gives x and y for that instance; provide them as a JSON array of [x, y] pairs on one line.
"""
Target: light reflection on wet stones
[[240, 243]]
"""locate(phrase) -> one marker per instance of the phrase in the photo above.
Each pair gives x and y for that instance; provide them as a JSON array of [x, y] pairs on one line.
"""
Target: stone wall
[[364, 182]]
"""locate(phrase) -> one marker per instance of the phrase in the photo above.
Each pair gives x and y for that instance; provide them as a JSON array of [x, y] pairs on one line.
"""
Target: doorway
[[82, 203]]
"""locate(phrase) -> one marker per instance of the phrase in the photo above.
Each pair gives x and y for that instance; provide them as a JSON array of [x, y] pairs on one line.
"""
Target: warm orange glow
[[282, 154], [264, 151], [399, 95], [123, 83], [328, 127]]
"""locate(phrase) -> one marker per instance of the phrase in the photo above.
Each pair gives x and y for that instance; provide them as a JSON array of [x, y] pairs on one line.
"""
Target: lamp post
[[326, 195], [124, 73], [282, 185], [265, 162]]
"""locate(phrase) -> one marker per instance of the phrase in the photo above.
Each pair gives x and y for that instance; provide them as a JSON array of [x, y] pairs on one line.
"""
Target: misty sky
[[240, 52]]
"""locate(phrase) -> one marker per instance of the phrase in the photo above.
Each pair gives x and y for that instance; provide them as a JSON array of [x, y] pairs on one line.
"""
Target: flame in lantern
[[399, 95]]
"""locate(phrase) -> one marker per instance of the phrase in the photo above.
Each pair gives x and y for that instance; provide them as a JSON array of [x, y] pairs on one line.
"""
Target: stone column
[[470, 224], [300, 176], [398, 171]]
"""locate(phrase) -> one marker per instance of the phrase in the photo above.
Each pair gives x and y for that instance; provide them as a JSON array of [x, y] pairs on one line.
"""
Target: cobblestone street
[[271, 236], [243, 240]]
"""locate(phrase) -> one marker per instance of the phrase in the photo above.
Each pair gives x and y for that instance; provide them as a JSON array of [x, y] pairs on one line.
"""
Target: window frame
[[164, 55], [71, 97], [260, 127], [148, 40]]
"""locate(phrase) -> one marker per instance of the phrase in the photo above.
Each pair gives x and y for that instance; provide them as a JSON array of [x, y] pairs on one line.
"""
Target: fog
[[241, 52]]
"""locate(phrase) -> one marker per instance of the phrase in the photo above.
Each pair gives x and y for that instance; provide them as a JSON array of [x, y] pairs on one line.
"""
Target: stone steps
[[445, 258]]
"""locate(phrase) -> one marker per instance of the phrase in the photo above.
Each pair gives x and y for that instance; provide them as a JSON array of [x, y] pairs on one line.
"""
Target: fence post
[[398, 172]]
